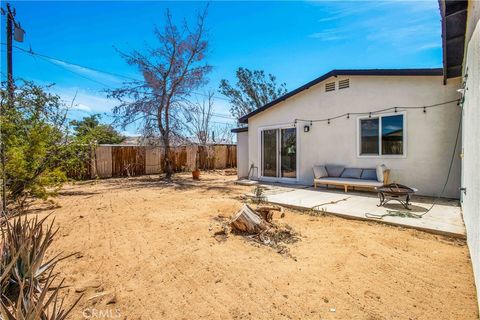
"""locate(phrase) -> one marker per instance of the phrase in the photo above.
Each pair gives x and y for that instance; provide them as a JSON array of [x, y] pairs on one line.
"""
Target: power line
[[113, 116], [72, 63], [31, 52], [76, 73], [48, 59]]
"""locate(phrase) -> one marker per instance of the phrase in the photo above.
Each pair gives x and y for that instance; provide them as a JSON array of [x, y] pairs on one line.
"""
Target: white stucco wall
[[242, 154], [430, 136], [471, 140]]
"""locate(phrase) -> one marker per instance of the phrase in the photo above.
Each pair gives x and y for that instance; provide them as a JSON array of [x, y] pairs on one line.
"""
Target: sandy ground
[[146, 251]]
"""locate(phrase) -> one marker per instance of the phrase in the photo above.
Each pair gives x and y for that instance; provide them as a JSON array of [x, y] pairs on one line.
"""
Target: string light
[[369, 113]]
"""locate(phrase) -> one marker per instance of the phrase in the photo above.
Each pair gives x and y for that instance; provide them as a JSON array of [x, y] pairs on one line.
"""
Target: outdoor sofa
[[337, 175]]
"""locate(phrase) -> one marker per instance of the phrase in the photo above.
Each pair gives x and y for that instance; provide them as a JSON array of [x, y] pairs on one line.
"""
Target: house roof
[[454, 25], [346, 72], [241, 129]]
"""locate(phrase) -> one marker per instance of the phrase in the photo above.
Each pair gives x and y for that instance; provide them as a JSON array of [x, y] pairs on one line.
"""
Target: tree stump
[[267, 212], [247, 220]]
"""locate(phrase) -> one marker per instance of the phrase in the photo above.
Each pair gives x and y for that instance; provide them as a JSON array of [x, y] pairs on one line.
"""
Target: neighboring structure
[[285, 141], [461, 59], [242, 151]]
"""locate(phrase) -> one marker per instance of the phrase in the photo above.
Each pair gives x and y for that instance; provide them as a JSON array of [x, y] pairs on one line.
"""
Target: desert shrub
[[89, 130], [258, 194], [37, 143], [27, 278]]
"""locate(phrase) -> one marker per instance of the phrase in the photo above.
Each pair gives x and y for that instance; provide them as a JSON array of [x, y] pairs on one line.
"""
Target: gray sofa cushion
[[369, 174], [320, 172], [334, 170], [352, 173], [349, 181]]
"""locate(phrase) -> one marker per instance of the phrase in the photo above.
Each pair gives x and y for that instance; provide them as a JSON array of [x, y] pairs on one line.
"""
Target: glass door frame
[[278, 156]]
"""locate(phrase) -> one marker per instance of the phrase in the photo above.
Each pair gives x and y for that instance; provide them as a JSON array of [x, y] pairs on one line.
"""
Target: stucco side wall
[[472, 20], [471, 146], [430, 135], [242, 154]]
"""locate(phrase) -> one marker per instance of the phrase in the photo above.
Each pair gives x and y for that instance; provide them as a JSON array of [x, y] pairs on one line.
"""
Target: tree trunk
[[247, 220], [167, 163]]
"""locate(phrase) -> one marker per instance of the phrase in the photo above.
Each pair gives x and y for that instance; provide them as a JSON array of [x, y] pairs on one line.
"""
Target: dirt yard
[[146, 250]]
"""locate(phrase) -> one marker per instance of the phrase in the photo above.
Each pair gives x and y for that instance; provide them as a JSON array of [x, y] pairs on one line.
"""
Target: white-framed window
[[382, 135]]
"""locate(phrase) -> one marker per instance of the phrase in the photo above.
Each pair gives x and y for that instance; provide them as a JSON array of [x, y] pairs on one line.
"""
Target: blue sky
[[296, 41]]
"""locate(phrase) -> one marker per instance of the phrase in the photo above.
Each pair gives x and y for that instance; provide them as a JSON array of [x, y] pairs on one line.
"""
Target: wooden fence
[[121, 161]]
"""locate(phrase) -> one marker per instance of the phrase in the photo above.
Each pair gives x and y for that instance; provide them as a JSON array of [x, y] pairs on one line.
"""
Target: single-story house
[[282, 141], [406, 119]]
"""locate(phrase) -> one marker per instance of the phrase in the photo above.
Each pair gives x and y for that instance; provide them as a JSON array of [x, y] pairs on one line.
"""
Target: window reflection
[[369, 136], [392, 135]]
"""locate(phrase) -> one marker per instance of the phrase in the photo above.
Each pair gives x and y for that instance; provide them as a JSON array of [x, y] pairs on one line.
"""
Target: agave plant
[[28, 241], [33, 305], [25, 277]]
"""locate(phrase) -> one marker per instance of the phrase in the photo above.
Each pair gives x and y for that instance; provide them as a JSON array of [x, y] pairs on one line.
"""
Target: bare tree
[[224, 133], [199, 124], [198, 117], [171, 72]]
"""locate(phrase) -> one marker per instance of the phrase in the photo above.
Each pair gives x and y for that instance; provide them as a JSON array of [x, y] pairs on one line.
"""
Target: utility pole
[[10, 17], [11, 23]]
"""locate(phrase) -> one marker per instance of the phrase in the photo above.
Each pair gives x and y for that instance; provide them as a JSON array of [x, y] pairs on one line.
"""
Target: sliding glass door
[[279, 153], [288, 152], [269, 156]]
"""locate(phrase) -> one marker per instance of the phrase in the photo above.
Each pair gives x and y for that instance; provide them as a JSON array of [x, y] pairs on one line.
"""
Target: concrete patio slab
[[444, 218], [246, 182]]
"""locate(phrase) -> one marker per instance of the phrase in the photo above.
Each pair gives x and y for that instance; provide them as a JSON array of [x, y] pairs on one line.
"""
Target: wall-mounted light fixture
[[306, 128]]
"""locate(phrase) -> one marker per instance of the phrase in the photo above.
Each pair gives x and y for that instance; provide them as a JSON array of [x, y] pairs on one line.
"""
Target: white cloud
[[81, 107], [328, 35], [89, 101], [342, 9], [429, 46], [377, 22], [96, 76]]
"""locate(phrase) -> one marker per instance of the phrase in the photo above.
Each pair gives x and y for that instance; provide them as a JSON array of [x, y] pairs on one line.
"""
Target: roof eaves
[[454, 22], [241, 129]]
